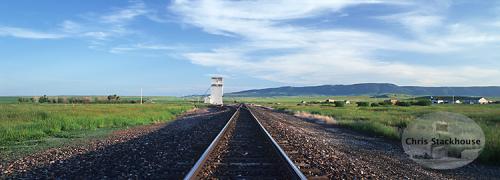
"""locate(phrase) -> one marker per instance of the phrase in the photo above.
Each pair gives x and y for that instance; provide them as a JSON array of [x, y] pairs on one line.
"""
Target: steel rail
[[291, 166], [294, 171], [199, 164]]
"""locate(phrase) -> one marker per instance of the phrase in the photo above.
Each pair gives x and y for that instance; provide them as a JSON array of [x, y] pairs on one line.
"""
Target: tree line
[[423, 102], [110, 99]]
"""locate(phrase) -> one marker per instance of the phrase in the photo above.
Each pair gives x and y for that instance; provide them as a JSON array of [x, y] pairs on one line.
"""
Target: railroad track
[[244, 150]]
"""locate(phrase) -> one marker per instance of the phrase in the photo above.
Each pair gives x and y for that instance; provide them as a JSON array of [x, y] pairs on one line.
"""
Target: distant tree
[[71, 100], [385, 103], [363, 104], [423, 102], [403, 103], [375, 104], [43, 99], [339, 103], [21, 100], [86, 100], [113, 97], [60, 100]]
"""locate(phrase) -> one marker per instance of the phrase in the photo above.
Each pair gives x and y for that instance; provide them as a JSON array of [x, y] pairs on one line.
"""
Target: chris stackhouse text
[[436, 141]]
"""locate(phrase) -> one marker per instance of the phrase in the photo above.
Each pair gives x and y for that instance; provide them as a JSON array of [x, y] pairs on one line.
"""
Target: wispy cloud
[[28, 33], [147, 47], [418, 22], [123, 15], [93, 27], [329, 55]]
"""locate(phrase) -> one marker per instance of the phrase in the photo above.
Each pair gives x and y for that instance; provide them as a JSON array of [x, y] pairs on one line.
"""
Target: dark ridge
[[370, 89]]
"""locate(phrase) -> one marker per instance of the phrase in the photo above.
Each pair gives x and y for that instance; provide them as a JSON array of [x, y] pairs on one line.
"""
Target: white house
[[458, 100], [437, 101], [330, 100], [476, 100]]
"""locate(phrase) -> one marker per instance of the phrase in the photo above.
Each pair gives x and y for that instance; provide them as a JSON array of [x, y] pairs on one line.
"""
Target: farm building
[[330, 100], [457, 100], [391, 101], [333, 100], [476, 100], [446, 101], [438, 101]]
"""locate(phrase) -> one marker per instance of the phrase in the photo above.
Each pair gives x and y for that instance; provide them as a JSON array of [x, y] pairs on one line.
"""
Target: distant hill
[[370, 89]]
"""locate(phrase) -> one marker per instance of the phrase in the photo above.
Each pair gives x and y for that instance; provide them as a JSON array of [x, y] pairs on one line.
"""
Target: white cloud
[[70, 27], [98, 35], [319, 67], [142, 47], [125, 14], [417, 22], [28, 33], [466, 34], [93, 27], [327, 55]]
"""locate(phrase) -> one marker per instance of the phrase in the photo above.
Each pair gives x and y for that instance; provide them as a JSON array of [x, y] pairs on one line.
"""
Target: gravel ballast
[[330, 152]]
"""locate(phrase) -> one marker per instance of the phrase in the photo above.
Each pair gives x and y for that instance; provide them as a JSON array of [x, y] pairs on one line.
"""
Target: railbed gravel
[[243, 152], [160, 151], [324, 151]]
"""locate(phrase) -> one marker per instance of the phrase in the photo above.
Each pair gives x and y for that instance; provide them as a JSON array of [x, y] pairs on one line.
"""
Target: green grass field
[[8, 99], [31, 125], [384, 120]]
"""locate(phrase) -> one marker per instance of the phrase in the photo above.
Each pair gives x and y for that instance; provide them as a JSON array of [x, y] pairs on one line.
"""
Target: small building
[[476, 100], [457, 100], [391, 101], [330, 100], [437, 101]]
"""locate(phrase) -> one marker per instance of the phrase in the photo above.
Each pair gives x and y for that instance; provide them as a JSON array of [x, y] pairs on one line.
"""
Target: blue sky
[[172, 47]]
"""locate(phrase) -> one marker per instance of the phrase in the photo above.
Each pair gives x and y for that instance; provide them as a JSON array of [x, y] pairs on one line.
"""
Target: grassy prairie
[[385, 120], [21, 122], [30, 125], [8, 99]]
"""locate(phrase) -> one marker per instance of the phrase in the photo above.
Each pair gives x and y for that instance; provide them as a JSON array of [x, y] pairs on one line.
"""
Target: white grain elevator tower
[[216, 92]]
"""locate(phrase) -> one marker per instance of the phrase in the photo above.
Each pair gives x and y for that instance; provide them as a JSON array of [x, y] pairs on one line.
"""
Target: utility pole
[[141, 95]]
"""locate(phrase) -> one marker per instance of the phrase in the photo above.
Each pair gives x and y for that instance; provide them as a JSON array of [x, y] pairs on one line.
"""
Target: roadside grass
[[18, 150], [387, 121], [39, 125], [21, 122]]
